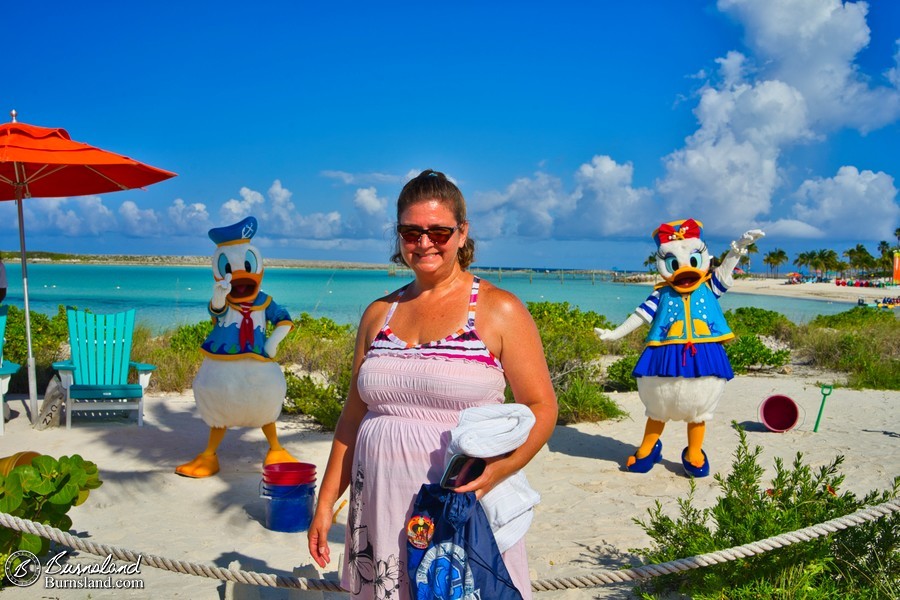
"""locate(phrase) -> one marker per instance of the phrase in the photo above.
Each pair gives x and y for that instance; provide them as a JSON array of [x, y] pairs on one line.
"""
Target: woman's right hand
[[317, 535]]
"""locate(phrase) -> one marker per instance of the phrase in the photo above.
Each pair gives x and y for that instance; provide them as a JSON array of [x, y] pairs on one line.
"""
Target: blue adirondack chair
[[96, 377], [7, 367]]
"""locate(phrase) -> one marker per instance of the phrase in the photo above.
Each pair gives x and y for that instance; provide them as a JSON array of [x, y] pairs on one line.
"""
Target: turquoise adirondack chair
[[96, 377], [7, 367]]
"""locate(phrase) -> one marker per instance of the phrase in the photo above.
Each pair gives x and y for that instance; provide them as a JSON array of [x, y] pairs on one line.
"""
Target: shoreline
[[828, 292]]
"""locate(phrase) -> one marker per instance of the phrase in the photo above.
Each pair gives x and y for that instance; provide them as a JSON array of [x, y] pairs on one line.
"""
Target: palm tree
[[745, 258], [897, 235], [826, 260], [650, 263], [884, 261], [859, 258], [805, 259], [775, 259]]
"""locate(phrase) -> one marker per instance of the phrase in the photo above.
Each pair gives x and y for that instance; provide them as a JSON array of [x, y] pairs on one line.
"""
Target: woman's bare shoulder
[[499, 301]]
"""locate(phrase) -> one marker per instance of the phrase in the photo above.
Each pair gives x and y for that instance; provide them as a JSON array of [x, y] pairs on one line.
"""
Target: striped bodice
[[463, 344]]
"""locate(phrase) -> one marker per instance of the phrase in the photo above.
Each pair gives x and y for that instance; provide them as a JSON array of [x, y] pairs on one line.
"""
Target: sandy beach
[[583, 524]]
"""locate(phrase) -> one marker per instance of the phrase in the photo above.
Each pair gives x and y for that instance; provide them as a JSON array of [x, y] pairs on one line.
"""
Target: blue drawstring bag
[[451, 552]]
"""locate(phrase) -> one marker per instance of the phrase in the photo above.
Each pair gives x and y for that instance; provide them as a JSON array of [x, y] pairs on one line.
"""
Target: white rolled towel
[[487, 431]]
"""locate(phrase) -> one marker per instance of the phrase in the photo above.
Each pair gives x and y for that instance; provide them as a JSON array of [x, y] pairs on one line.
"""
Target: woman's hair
[[434, 185]]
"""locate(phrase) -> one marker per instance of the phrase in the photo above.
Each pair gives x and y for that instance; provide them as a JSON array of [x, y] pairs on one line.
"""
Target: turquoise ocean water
[[166, 297]]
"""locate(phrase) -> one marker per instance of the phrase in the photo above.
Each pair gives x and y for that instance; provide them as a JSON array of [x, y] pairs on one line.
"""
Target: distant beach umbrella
[[42, 162]]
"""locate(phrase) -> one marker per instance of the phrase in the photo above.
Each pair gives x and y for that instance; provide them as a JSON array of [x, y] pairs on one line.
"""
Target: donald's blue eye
[[251, 261], [671, 264], [696, 259], [223, 265]]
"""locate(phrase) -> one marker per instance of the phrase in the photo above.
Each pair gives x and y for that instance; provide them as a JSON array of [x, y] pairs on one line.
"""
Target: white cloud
[[850, 205], [527, 207], [605, 202], [96, 217], [88, 218], [51, 215], [791, 229], [348, 178], [368, 202], [811, 45], [234, 210], [281, 216], [319, 225], [720, 181], [188, 218], [137, 222], [727, 172]]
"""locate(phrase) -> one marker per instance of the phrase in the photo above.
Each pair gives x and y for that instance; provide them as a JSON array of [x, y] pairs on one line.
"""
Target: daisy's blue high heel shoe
[[642, 465], [690, 469]]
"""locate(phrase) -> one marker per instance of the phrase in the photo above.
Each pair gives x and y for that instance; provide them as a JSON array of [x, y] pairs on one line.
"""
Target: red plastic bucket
[[779, 413], [289, 473]]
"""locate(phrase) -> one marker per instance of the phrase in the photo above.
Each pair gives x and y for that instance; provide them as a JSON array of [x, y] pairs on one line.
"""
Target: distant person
[[424, 353], [2, 279]]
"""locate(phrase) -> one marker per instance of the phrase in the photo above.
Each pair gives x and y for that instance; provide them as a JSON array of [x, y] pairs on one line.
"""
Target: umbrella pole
[[32, 377]]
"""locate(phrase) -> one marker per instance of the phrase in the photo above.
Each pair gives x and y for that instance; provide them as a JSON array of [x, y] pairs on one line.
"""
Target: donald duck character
[[683, 369], [239, 384]]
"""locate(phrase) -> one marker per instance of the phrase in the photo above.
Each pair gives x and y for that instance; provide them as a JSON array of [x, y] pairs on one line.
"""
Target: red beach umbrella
[[44, 162]]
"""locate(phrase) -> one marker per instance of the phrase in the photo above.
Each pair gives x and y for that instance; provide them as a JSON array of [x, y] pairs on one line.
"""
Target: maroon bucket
[[779, 413], [289, 473]]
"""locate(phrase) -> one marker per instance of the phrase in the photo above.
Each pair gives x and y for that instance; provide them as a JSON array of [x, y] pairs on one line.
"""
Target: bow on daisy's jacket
[[683, 369], [239, 384]]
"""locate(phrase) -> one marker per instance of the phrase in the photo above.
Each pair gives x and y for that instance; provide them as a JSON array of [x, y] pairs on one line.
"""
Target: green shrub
[[749, 320], [43, 492], [176, 355], [618, 374], [862, 342], [583, 401], [572, 349], [189, 338], [319, 345], [321, 402], [47, 336], [856, 317], [860, 562], [747, 352]]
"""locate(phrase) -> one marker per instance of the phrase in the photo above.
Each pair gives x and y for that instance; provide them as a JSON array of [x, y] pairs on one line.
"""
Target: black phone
[[462, 470]]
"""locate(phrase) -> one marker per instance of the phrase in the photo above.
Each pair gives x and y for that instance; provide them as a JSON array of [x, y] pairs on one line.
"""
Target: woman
[[423, 354]]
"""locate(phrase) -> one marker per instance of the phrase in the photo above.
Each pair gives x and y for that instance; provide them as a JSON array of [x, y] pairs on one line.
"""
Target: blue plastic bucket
[[289, 508]]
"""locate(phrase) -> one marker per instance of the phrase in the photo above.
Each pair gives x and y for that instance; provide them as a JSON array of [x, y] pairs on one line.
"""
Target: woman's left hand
[[493, 474]]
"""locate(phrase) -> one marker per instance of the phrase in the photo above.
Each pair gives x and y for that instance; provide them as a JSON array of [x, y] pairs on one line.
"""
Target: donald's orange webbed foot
[[205, 465], [279, 455]]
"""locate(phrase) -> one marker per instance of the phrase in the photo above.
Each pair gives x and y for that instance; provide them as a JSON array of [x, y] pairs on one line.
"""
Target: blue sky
[[572, 128]]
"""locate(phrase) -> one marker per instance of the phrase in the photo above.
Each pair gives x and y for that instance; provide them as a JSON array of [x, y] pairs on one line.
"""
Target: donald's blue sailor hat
[[238, 233]]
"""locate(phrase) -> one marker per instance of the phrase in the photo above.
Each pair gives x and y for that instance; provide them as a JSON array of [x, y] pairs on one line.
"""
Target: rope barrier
[[541, 585]]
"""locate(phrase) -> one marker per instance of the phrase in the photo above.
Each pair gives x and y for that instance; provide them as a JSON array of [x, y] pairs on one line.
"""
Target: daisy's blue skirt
[[684, 360]]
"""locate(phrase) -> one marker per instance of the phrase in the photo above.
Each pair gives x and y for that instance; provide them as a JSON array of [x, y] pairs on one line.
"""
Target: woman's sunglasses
[[438, 235]]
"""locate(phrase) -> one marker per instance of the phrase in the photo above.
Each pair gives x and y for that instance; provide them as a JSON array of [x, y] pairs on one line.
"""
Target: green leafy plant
[[581, 400], [747, 352], [43, 492], [862, 342], [860, 562], [749, 320], [572, 348], [321, 401], [618, 374], [47, 336]]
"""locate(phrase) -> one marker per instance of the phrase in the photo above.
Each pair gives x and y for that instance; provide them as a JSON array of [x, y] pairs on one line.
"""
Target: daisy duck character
[[239, 384], [683, 369]]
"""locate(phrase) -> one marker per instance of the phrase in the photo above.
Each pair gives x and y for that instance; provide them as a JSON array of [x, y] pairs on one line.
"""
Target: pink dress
[[414, 395]]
